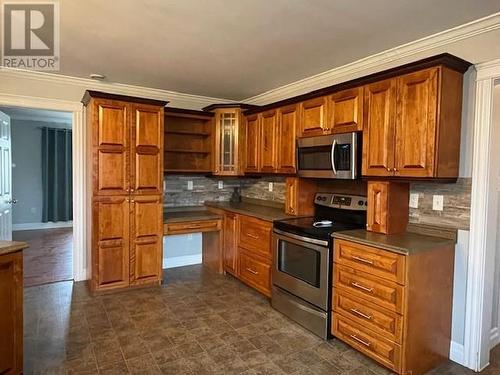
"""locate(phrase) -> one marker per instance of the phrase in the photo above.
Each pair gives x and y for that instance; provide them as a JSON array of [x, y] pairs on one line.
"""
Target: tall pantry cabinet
[[125, 158]]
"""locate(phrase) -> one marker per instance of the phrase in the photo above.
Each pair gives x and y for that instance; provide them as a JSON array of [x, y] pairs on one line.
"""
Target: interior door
[[146, 149], [6, 199]]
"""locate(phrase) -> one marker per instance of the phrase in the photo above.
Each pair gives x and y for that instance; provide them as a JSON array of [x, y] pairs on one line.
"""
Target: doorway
[[37, 146]]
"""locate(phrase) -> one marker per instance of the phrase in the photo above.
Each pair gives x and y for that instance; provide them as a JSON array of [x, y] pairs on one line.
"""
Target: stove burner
[[323, 224]]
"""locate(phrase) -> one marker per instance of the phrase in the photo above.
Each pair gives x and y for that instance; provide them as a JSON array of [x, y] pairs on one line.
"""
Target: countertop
[[403, 243], [7, 247], [259, 211], [188, 214]]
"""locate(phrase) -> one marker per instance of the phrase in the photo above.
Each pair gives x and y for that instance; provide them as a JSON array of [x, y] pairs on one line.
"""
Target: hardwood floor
[[49, 257]]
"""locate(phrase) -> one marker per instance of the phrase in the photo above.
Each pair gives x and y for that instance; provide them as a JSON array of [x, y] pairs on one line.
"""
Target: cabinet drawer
[[255, 235], [382, 321], [192, 227], [368, 287], [256, 272], [375, 261], [375, 346]]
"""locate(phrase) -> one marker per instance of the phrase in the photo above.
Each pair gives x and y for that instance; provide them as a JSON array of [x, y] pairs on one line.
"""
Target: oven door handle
[[332, 156]]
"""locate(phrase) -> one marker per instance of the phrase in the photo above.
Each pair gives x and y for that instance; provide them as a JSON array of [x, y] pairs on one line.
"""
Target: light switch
[[270, 186], [190, 185], [437, 202], [221, 184], [414, 200]]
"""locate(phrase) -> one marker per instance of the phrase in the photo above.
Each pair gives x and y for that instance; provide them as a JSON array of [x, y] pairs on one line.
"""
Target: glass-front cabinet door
[[227, 150]]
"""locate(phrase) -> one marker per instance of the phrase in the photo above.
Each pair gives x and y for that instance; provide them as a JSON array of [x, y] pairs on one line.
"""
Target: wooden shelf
[[189, 133], [201, 171], [188, 151]]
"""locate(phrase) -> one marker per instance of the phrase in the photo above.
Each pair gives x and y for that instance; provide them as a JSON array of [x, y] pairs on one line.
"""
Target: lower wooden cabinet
[[247, 250], [230, 247], [127, 241], [11, 315], [299, 195], [395, 308]]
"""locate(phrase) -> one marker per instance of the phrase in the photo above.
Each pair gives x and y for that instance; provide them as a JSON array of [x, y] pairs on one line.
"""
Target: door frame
[[80, 207], [480, 275]]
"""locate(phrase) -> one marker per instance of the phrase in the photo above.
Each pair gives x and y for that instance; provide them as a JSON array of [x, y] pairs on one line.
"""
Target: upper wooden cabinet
[[313, 117], [189, 141], [252, 158], [268, 142], [345, 111], [412, 125], [286, 135]]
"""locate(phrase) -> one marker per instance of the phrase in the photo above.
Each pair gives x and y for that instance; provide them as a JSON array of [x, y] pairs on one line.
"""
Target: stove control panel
[[348, 202]]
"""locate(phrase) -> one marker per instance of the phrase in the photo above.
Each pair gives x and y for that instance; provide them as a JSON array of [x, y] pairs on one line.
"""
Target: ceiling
[[236, 49], [31, 114]]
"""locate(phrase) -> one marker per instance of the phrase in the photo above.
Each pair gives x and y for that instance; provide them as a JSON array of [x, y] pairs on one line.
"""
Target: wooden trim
[[242, 106], [188, 112], [444, 59], [104, 95]]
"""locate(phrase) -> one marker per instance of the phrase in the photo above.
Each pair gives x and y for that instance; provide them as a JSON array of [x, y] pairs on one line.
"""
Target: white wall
[[182, 250]]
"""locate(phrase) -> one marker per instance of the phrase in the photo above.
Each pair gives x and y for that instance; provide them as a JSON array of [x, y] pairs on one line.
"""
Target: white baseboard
[[35, 226], [185, 260], [494, 337], [457, 353]]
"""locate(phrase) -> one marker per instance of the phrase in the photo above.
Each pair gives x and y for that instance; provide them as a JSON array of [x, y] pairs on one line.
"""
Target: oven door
[[301, 267], [331, 156]]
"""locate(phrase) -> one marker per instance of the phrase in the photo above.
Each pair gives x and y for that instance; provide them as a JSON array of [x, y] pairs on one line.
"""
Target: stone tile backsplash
[[456, 206], [205, 188]]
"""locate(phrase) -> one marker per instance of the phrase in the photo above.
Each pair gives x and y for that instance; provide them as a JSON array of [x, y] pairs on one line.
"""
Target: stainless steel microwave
[[330, 156]]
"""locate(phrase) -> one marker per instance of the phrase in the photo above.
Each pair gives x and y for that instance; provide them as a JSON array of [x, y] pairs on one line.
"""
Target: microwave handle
[[332, 156]]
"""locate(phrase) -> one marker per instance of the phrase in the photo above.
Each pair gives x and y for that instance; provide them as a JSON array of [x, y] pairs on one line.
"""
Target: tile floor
[[196, 323], [49, 257]]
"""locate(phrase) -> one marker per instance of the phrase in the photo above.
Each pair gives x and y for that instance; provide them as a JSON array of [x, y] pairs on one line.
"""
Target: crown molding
[[379, 61], [180, 100], [488, 70]]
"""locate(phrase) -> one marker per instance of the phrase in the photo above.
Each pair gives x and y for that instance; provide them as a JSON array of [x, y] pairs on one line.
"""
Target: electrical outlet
[[414, 200], [221, 184], [437, 202], [271, 186], [190, 185]]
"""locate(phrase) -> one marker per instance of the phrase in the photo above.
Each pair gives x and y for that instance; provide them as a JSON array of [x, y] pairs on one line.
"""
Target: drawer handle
[[252, 236], [357, 312], [252, 271], [365, 343], [362, 260], [359, 286]]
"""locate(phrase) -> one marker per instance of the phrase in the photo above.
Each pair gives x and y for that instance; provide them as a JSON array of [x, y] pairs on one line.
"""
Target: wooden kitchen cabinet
[[230, 243], [313, 117], [345, 111], [388, 206], [412, 125], [299, 196], [11, 316], [126, 147], [252, 160], [268, 142], [382, 300], [286, 139]]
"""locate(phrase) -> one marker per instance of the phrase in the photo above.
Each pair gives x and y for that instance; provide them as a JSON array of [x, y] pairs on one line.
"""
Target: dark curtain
[[57, 175]]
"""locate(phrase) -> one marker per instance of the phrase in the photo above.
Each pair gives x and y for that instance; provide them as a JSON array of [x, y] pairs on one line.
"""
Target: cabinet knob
[[388, 169], [394, 169]]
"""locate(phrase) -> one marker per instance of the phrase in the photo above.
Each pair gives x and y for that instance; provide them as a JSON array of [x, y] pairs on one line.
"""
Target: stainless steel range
[[303, 253]]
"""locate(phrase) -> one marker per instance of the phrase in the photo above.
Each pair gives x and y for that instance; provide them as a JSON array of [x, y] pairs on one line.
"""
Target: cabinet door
[[11, 316], [313, 117], [146, 149], [252, 142], [287, 127], [378, 133], [416, 123], [268, 140], [146, 239], [227, 142], [110, 141], [345, 111], [110, 243], [230, 243]]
